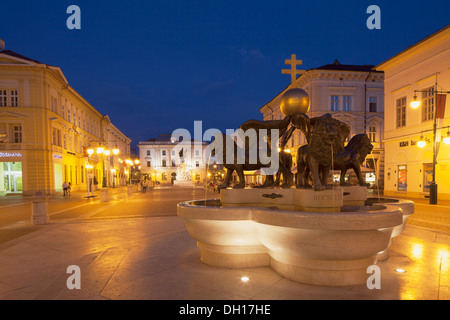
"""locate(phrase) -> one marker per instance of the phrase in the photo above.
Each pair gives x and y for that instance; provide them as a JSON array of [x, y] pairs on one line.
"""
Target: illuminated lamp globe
[[294, 101]]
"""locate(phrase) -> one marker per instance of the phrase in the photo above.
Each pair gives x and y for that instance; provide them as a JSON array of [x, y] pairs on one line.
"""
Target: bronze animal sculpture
[[351, 157], [325, 139], [300, 121]]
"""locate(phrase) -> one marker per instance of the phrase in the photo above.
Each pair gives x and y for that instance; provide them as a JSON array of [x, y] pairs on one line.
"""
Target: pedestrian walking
[[144, 186], [69, 187]]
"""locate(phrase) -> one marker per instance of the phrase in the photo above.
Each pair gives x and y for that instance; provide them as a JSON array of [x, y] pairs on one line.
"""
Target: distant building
[[164, 160], [408, 167], [352, 94], [46, 128]]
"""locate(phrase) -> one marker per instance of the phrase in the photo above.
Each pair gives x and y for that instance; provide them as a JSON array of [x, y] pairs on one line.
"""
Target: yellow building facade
[[415, 72], [46, 128]]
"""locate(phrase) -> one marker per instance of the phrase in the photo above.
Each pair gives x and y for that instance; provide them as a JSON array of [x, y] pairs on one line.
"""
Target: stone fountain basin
[[333, 248], [407, 207]]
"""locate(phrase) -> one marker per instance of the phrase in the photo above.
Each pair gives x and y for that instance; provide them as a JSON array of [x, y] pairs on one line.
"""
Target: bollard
[[39, 208], [104, 196]]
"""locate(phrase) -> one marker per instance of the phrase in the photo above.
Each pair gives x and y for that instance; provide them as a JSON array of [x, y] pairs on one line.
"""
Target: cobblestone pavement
[[135, 247], [15, 211]]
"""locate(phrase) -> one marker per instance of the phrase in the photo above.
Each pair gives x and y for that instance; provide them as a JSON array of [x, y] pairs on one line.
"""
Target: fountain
[[307, 233]]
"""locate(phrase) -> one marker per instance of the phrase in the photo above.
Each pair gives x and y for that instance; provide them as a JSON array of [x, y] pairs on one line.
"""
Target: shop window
[[402, 178]]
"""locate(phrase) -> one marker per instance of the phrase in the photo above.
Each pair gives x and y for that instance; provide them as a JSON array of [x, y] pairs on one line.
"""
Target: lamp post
[[115, 152], [415, 104]]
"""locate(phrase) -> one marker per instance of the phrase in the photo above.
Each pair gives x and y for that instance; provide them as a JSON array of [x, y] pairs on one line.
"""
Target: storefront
[[11, 172]]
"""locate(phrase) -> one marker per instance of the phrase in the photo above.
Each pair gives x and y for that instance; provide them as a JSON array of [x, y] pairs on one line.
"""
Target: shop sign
[[10, 154]]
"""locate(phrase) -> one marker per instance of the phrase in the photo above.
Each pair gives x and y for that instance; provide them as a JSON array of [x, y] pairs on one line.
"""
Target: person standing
[[65, 186]]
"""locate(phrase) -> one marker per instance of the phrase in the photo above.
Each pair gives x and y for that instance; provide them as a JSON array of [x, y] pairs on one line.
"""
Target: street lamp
[[421, 143], [415, 104], [447, 138]]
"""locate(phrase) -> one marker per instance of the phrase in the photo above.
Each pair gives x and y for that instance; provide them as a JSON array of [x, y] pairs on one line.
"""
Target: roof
[[17, 55], [166, 138], [414, 45], [337, 66]]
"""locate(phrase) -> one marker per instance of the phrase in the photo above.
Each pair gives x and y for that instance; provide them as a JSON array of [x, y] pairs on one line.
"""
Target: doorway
[[11, 177]]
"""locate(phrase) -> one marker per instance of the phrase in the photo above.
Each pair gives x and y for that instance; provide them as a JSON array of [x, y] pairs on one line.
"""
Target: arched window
[[164, 163]]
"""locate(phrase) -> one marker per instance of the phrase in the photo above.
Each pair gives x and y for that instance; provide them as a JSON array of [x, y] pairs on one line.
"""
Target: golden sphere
[[294, 101]]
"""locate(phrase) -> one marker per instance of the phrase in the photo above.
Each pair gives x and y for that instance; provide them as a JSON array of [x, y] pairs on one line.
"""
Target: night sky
[[155, 66]]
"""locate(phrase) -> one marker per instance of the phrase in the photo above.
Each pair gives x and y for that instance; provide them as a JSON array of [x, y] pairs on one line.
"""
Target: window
[[401, 112], [3, 98], [334, 103], [428, 104], [16, 133], [402, 178], [68, 115], [163, 152], [54, 104], [148, 152], [54, 136], [197, 163], [164, 162], [63, 112], [148, 164], [372, 104], [346, 103], [9, 98], [173, 163], [14, 98], [372, 133]]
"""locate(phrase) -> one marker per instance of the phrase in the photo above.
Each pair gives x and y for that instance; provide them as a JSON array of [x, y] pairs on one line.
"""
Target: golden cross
[[293, 71]]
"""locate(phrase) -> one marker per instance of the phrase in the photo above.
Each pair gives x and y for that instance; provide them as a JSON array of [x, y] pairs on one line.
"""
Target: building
[[415, 72], [46, 128], [167, 160], [352, 94]]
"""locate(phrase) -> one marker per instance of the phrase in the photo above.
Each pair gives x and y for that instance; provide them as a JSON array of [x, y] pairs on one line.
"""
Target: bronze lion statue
[[351, 157], [325, 139]]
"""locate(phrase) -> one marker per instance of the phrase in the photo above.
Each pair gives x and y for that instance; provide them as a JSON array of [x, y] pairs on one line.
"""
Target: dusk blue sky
[[155, 66]]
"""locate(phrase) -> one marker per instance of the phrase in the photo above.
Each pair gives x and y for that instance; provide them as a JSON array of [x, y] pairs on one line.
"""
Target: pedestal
[[39, 209]]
